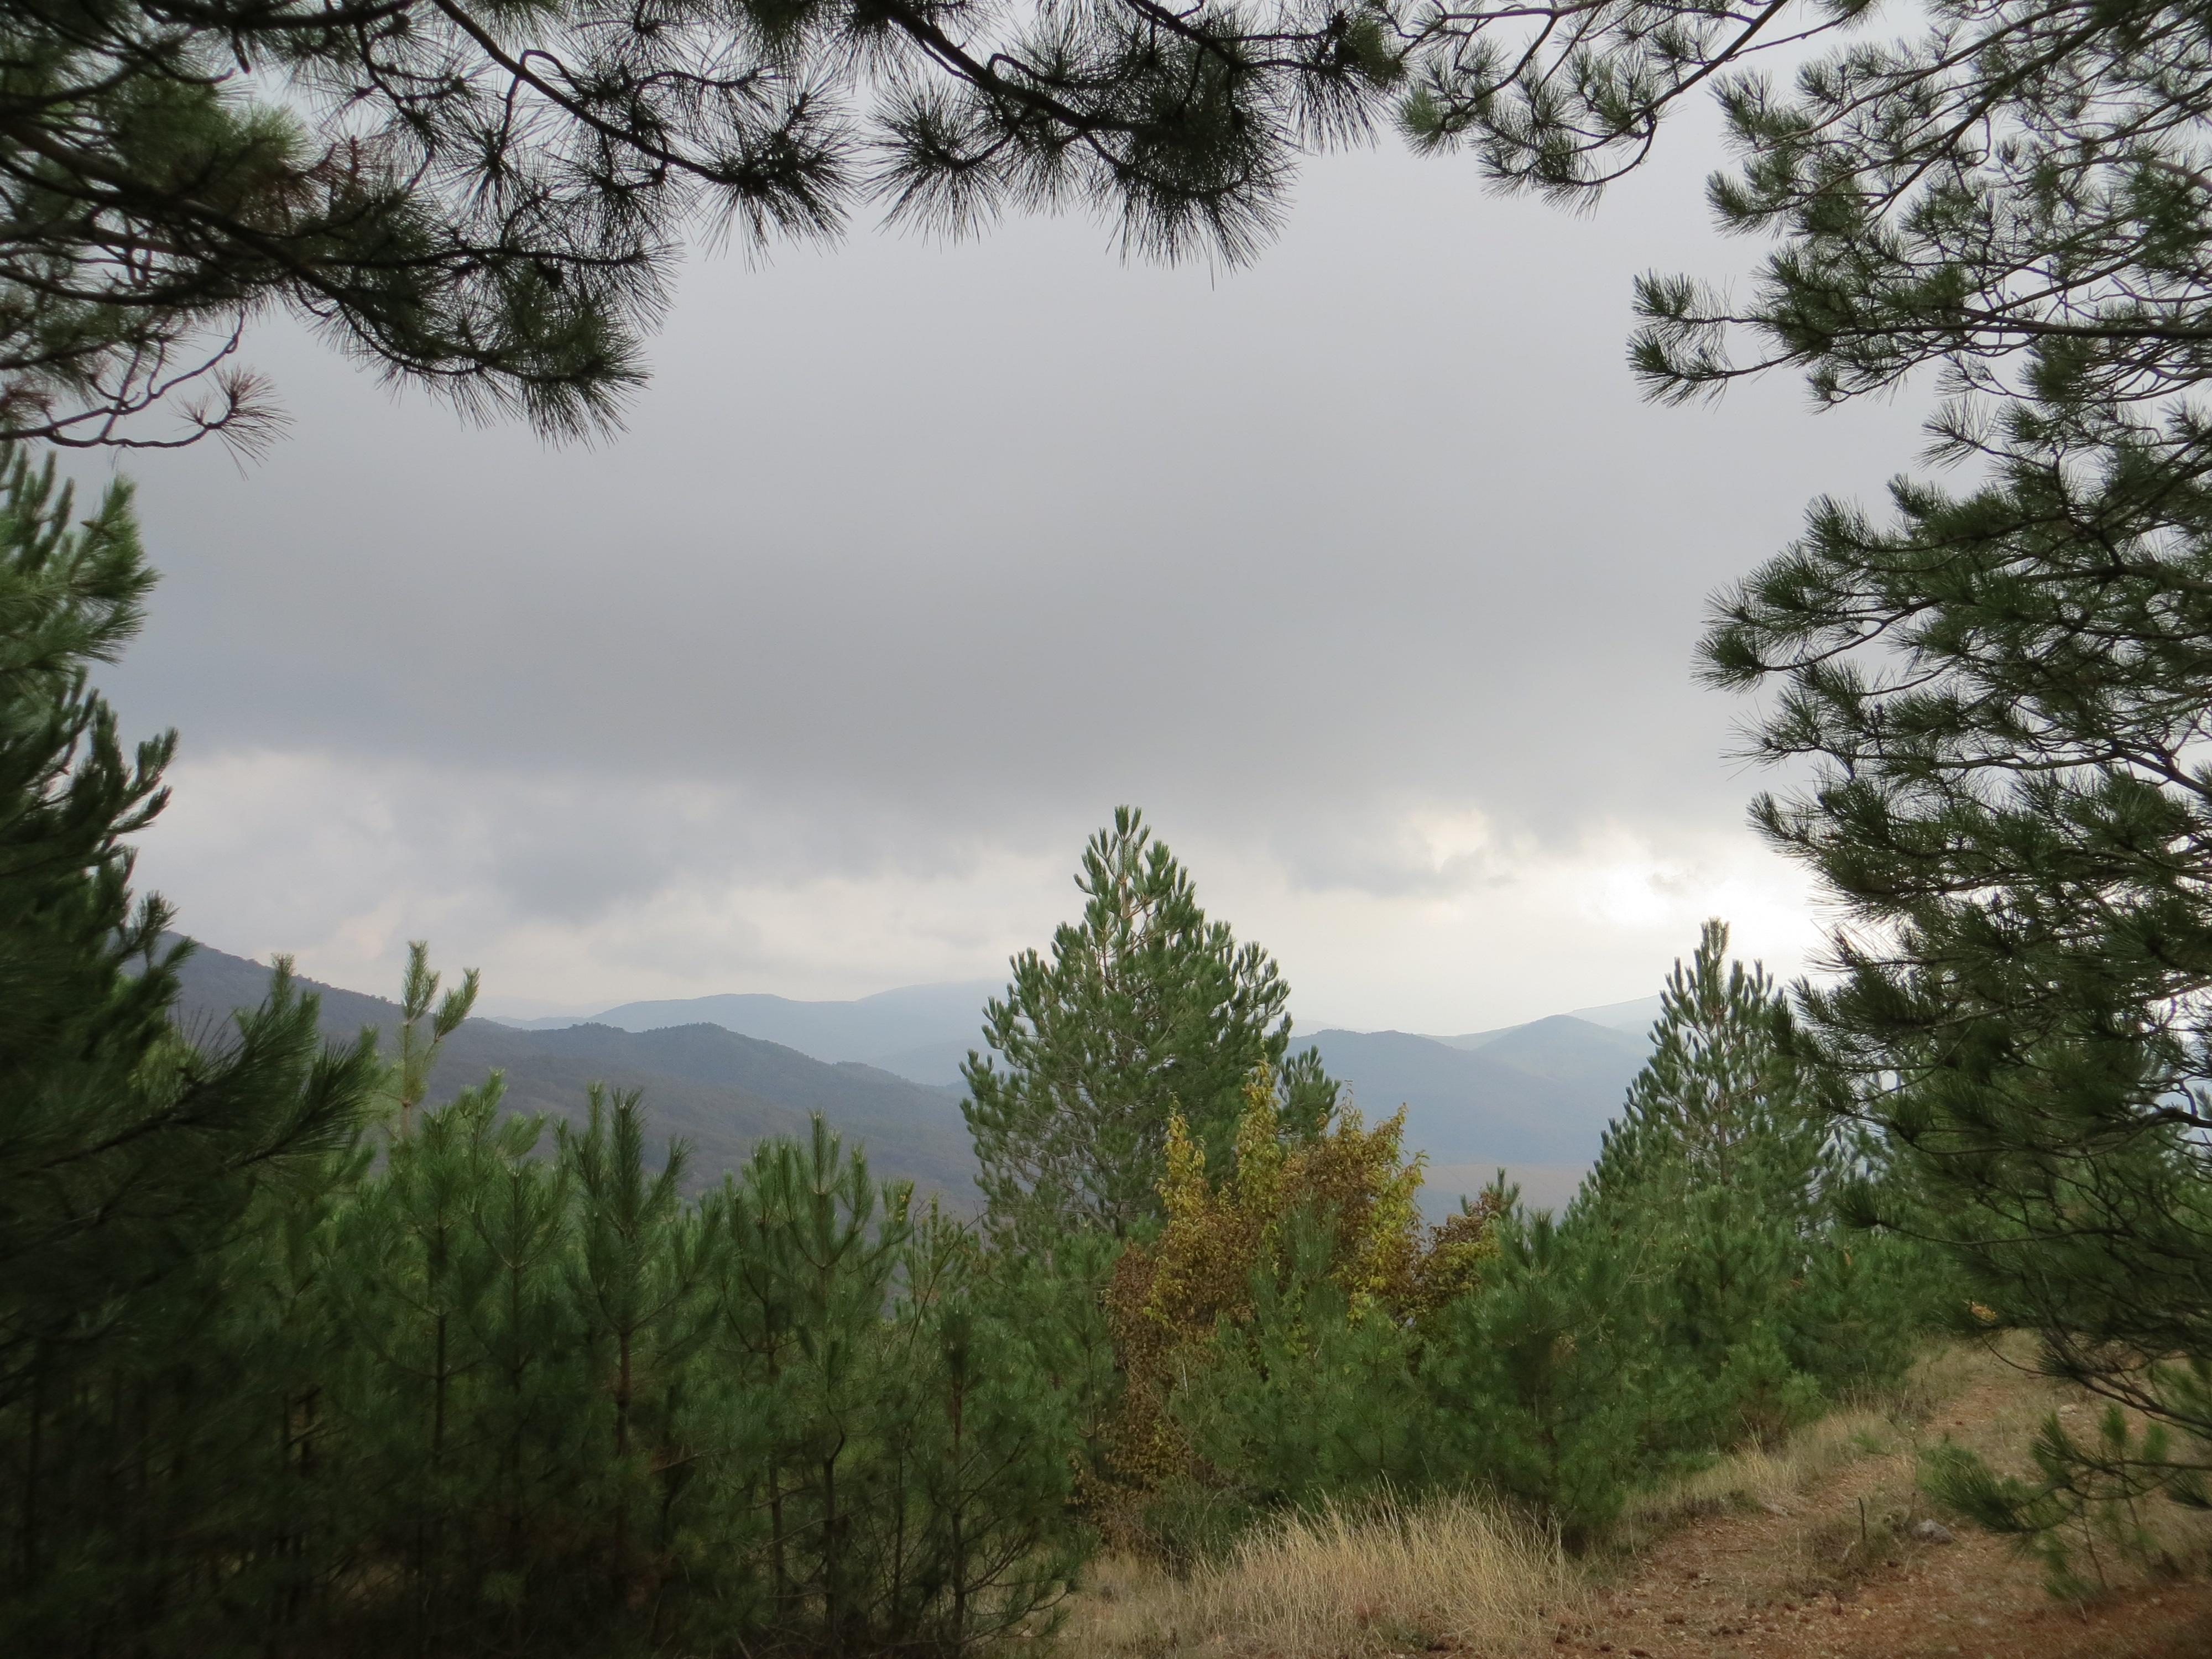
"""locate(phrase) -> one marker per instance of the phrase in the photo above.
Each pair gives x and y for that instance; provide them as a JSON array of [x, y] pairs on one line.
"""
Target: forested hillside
[[722, 1092]]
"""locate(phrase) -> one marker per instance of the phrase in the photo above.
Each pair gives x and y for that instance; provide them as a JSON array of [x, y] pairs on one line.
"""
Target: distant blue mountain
[[929, 1027], [721, 1091], [937, 1063], [1542, 1094], [1634, 1017], [1533, 1099]]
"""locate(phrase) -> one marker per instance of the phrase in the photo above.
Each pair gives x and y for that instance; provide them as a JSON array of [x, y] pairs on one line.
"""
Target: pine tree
[[816, 1248], [2002, 693], [410, 1295], [491, 209], [1147, 1010], [133, 1166], [1541, 1380], [643, 1261], [418, 1051], [1711, 1183], [974, 1533], [530, 1421]]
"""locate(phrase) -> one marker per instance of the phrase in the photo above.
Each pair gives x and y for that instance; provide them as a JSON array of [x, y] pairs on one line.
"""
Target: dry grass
[[1827, 1521], [1386, 1577], [1774, 1478], [1757, 1478]]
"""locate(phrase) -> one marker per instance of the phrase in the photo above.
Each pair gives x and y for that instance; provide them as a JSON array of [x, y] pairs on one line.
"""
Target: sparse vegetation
[[1384, 1575], [1771, 1477]]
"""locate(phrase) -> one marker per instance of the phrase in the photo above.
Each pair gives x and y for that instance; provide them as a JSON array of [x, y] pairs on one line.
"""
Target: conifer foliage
[[487, 199], [1713, 1182], [1147, 1011], [125, 1151], [130, 1164], [1699, 1292], [497, 1396]]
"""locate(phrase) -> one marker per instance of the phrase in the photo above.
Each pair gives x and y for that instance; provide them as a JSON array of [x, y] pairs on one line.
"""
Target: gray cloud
[[914, 559]]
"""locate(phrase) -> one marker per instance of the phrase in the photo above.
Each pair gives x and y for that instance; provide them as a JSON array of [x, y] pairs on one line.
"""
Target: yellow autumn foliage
[[1169, 1300]]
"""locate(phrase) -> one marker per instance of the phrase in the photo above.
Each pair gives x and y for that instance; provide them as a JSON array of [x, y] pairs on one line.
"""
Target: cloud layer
[[1363, 570]]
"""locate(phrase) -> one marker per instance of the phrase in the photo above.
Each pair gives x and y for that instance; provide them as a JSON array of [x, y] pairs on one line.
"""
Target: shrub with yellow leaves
[[1299, 1281]]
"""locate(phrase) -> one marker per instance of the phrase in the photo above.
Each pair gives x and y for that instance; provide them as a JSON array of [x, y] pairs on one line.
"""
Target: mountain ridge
[[1536, 1101], [1533, 1098], [922, 1032], [721, 1090]]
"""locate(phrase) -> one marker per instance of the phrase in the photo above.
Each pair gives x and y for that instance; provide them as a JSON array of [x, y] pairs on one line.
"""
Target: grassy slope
[[1810, 1550]]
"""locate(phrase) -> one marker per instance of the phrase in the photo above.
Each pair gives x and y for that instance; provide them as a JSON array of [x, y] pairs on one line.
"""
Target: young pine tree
[[644, 1260], [1711, 1177], [1540, 1379], [131, 1164], [971, 1532], [418, 1048], [1147, 1010], [1716, 1183], [815, 1248], [1710, 1183]]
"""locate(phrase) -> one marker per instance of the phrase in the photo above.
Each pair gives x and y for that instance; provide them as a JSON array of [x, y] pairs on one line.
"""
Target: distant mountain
[[1634, 1017], [936, 1064], [725, 1070], [721, 1091], [921, 1032], [1534, 1099], [1569, 1050]]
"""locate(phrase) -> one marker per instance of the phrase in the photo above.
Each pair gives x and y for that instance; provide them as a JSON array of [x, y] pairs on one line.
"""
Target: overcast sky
[[1363, 570]]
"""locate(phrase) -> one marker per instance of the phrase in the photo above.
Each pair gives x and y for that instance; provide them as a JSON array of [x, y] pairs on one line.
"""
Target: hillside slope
[[1535, 1100], [1834, 1557], [1820, 1546], [718, 1091]]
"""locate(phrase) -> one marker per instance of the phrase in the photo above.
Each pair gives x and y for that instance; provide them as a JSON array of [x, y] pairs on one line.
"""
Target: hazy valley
[[723, 1072]]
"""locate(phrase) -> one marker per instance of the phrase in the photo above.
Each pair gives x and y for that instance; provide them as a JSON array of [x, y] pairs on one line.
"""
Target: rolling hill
[[1534, 1099], [725, 1070], [922, 1032], [720, 1091]]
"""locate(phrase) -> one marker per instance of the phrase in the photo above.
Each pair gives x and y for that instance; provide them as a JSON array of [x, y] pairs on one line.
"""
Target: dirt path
[[1843, 1572]]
